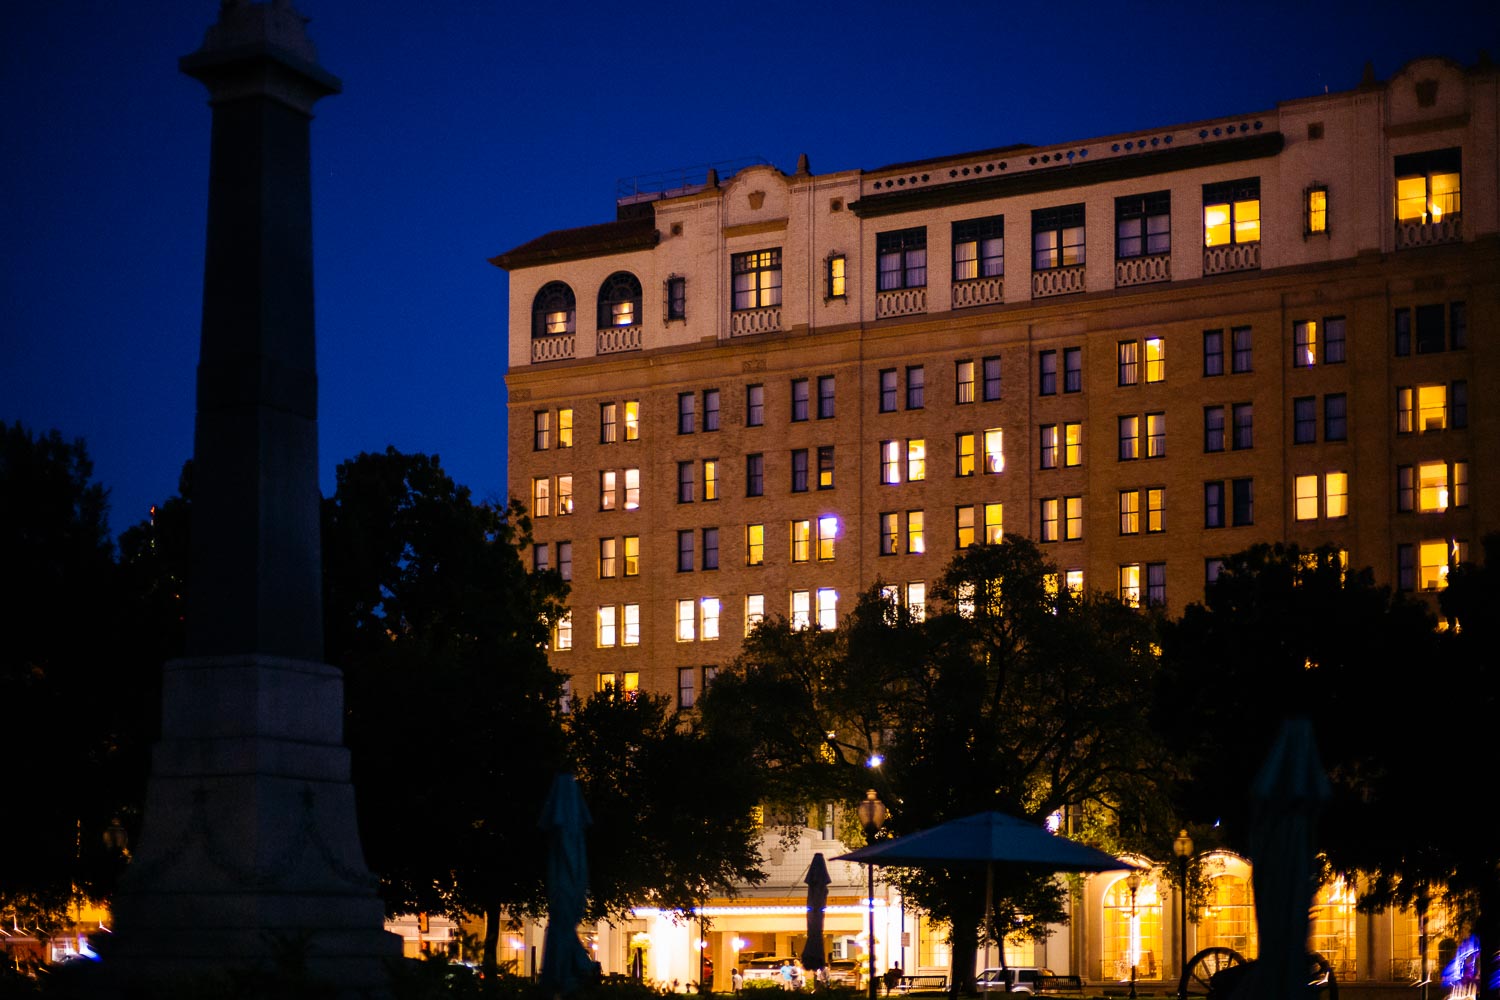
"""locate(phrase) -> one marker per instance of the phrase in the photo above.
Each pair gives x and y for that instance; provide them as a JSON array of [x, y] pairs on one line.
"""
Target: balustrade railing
[[747, 321], [1448, 229], [1231, 257], [900, 302], [614, 339], [558, 347], [978, 292], [1143, 270], [1057, 281]]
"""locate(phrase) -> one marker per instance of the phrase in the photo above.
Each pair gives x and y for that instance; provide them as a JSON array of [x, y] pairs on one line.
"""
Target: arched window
[[619, 300], [553, 310], [1132, 935], [1331, 930], [1227, 919]]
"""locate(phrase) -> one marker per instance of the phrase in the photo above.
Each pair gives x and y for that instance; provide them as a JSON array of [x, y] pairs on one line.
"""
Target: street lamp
[[872, 814], [1183, 848], [1133, 882]]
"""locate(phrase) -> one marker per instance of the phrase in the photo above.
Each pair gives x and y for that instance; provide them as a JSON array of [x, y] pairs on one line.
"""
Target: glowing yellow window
[[632, 420], [1073, 581], [1411, 199], [605, 682], [1336, 494], [1432, 485], [965, 454], [836, 285], [632, 633], [994, 523], [1247, 221], [1072, 444], [1216, 225], [1434, 563], [1156, 359], [565, 428], [1432, 407], [1444, 196], [1130, 584], [559, 321], [994, 450], [622, 313], [755, 611], [755, 544], [1317, 210], [710, 479], [708, 609], [916, 459], [828, 530], [965, 527], [632, 555], [1306, 508], [915, 544], [801, 540]]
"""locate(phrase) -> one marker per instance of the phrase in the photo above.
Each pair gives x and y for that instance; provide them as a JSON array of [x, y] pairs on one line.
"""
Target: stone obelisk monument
[[249, 849]]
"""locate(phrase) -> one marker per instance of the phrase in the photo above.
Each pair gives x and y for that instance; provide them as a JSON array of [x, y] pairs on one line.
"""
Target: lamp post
[[1183, 848], [1134, 884], [872, 814]]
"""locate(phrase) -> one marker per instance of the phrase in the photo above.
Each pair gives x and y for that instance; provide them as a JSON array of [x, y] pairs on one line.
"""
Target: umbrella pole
[[989, 909]]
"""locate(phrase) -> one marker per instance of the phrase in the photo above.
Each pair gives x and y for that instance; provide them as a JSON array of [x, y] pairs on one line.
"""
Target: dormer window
[[620, 300], [553, 310]]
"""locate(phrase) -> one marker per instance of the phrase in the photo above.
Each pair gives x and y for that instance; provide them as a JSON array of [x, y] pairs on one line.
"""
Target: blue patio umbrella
[[565, 964], [817, 898]]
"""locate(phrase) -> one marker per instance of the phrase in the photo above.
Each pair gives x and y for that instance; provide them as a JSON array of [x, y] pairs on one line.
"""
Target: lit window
[[553, 310], [1130, 433], [890, 462], [916, 459], [565, 428], [631, 635], [564, 639], [979, 248], [994, 451], [828, 608], [825, 467], [801, 609], [755, 611], [801, 534], [1130, 584], [916, 601], [620, 300], [837, 283], [564, 495], [1306, 498], [1072, 444], [607, 636], [1156, 500], [1432, 484], [755, 405], [1143, 224], [964, 450], [756, 279], [994, 523], [755, 544], [632, 420], [1129, 362], [632, 546], [1231, 212], [1156, 435], [1428, 186], [1048, 521], [901, 259], [1435, 563], [1048, 446], [1130, 512], [1304, 344], [890, 534], [710, 479], [1156, 359], [1432, 407], [1336, 494], [1315, 212], [1073, 582], [605, 682], [828, 530], [915, 545], [687, 623], [1057, 237], [632, 489], [963, 381], [541, 430], [606, 558], [964, 527], [541, 497], [708, 609], [1073, 518], [991, 379]]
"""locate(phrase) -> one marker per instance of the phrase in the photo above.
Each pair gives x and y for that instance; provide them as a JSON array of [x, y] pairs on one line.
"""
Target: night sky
[[467, 127]]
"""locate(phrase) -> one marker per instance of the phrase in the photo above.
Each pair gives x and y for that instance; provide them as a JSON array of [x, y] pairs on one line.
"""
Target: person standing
[[736, 980]]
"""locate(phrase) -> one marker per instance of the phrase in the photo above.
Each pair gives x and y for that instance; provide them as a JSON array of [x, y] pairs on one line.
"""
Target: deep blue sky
[[467, 127]]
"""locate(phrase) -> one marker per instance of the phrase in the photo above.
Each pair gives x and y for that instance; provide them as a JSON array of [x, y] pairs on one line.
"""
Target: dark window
[[889, 533], [1212, 567], [1335, 417], [1244, 502], [825, 467], [608, 429], [1241, 360], [825, 397], [1406, 487], [685, 407], [1304, 420], [565, 560], [755, 405], [1430, 332], [799, 470], [1333, 340], [620, 300], [1458, 326], [710, 409], [684, 482], [684, 551], [710, 548], [541, 430], [1406, 567], [1403, 332], [902, 258], [1213, 504], [1129, 362], [1047, 373], [755, 475], [963, 382], [1243, 415], [979, 248], [916, 384], [1130, 435], [1048, 446], [1213, 428], [1213, 352], [676, 298], [553, 311], [757, 279], [1072, 369], [1458, 403], [799, 399], [1056, 237], [991, 379], [888, 390], [1156, 583], [1143, 224]]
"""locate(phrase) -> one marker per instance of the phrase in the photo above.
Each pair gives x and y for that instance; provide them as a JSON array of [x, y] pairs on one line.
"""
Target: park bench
[[1054, 984], [921, 983]]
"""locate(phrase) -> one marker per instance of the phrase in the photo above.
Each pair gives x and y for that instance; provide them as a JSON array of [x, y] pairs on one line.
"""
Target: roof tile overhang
[[1070, 176], [585, 241]]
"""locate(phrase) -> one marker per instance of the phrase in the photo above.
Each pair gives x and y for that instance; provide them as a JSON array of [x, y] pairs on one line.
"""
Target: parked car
[[1016, 979], [846, 972]]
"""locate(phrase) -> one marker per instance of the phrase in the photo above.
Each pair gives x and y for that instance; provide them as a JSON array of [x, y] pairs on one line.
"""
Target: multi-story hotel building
[[760, 394]]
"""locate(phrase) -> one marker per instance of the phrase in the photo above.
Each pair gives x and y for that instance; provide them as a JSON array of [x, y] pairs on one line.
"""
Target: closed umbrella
[[817, 898], [565, 964]]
